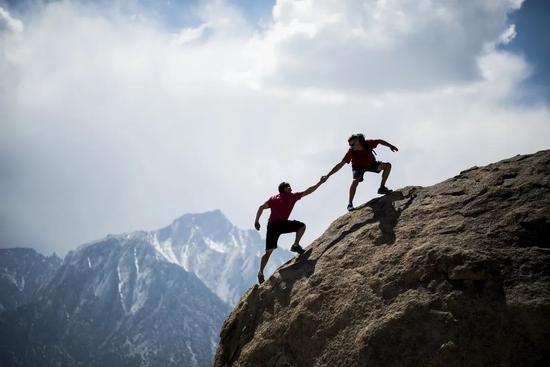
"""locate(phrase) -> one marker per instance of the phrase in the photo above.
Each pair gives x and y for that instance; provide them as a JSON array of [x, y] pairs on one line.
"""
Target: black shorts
[[358, 172], [275, 229]]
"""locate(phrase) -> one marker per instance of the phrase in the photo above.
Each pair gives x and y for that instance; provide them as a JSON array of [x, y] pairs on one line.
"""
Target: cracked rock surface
[[456, 274]]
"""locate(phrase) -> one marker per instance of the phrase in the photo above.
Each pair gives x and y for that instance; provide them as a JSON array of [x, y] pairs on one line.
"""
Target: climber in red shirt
[[362, 159], [281, 205]]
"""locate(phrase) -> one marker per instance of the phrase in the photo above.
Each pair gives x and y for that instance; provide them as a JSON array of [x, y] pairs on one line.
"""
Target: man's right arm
[[335, 169], [258, 215]]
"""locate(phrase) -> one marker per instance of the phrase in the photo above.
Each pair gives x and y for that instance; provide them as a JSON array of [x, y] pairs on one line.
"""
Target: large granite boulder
[[456, 274]]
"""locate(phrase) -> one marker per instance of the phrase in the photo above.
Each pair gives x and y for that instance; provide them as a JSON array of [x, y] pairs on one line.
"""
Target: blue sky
[[533, 27], [175, 14], [171, 13], [123, 115]]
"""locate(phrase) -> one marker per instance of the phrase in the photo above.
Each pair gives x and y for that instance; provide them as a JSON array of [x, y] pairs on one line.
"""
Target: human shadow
[[299, 267], [387, 215], [383, 212]]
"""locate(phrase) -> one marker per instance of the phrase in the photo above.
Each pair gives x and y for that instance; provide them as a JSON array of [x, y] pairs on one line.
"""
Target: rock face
[[456, 274], [22, 272]]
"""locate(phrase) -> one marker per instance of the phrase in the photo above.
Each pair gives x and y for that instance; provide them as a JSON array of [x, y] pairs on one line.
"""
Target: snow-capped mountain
[[116, 302], [22, 272], [147, 298], [223, 256]]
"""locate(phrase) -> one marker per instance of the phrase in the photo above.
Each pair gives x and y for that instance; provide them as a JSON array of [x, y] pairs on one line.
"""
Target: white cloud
[[508, 35], [112, 124], [379, 46], [8, 23], [219, 20]]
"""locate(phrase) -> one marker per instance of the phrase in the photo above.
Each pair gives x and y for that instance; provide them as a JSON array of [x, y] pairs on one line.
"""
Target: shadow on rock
[[384, 212], [298, 268], [387, 215]]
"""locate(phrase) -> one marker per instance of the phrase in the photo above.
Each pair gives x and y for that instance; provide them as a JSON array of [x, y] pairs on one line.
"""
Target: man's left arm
[[391, 146]]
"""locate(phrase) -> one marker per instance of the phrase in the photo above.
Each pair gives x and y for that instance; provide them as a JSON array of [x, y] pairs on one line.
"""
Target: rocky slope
[[456, 274], [22, 272]]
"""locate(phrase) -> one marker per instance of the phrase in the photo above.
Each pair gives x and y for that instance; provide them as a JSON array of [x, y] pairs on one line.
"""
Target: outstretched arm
[[309, 190], [334, 170], [392, 147], [258, 215]]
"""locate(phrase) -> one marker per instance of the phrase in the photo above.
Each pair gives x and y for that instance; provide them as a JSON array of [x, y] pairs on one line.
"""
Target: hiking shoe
[[298, 249], [260, 278], [350, 207], [384, 190]]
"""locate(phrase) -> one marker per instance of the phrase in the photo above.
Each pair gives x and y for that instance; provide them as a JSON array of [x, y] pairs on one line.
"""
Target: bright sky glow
[[119, 116]]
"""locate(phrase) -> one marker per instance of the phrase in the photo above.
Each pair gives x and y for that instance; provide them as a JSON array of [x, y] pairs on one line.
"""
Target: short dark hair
[[283, 186], [360, 138]]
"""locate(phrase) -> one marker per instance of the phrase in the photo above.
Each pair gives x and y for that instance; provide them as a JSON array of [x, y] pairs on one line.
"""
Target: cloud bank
[[380, 46], [113, 123]]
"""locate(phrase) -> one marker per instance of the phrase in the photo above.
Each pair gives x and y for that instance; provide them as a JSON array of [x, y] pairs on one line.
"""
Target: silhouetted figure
[[362, 159], [281, 206]]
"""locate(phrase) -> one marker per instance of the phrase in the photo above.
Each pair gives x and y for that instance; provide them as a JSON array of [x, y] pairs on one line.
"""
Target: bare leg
[[299, 234], [386, 169], [264, 259], [352, 190]]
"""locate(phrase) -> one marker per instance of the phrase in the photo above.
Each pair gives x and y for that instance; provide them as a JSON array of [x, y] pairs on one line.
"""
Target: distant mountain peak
[[215, 217], [139, 298], [213, 224], [207, 244]]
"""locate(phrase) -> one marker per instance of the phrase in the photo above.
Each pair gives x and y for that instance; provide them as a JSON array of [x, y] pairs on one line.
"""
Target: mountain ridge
[[137, 298], [109, 304], [22, 272], [223, 256]]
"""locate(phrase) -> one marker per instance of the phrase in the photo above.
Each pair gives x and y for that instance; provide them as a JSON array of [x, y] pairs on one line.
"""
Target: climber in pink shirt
[[281, 206]]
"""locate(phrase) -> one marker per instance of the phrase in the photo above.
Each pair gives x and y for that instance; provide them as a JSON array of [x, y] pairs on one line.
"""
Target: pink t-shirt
[[282, 204]]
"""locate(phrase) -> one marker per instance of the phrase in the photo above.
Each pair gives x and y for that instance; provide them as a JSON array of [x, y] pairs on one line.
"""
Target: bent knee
[[385, 165]]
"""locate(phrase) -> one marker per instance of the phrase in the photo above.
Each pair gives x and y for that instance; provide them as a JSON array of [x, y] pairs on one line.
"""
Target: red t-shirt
[[281, 205], [362, 158]]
